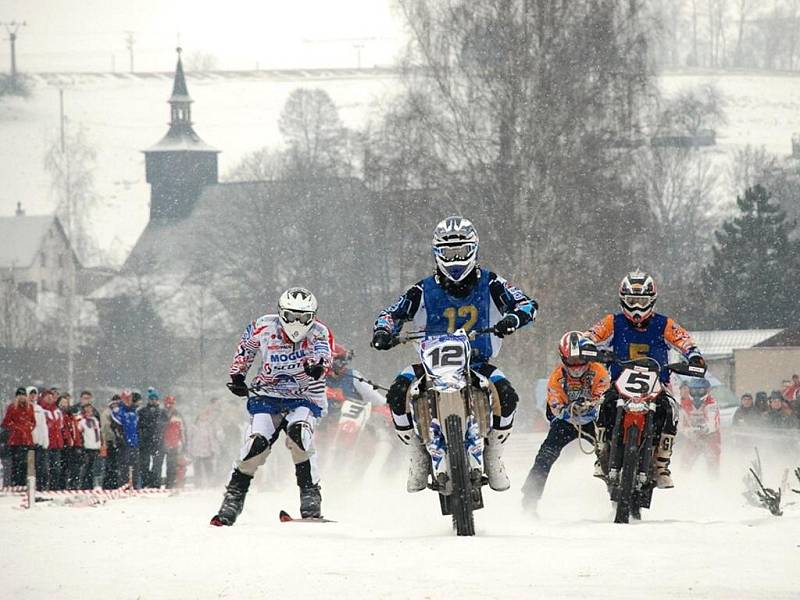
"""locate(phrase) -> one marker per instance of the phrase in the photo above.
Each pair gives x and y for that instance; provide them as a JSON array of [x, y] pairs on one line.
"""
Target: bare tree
[[201, 61]]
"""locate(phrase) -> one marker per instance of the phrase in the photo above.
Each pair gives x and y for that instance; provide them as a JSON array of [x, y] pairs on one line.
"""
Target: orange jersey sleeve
[[602, 331], [600, 382], [679, 338], [556, 396]]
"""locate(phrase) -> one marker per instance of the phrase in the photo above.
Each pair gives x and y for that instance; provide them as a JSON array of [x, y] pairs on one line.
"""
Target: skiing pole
[[374, 385]]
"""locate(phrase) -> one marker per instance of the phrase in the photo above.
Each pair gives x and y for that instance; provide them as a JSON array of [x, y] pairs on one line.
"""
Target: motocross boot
[[419, 464], [233, 502], [661, 464], [311, 502], [493, 460], [601, 451]]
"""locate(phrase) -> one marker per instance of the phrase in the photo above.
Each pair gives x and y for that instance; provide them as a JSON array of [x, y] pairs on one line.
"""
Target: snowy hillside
[[238, 112], [700, 540]]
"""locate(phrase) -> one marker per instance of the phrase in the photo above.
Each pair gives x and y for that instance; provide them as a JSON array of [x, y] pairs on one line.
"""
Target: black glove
[[237, 385], [314, 371], [381, 339], [695, 360], [506, 326]]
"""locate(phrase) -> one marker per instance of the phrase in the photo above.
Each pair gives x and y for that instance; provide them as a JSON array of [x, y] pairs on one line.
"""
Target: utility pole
[[71, 283], [12, 27], [130, 40]]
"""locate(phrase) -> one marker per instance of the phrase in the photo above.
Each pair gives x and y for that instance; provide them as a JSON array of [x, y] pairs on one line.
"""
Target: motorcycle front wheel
[[461, 497], [630, 465]]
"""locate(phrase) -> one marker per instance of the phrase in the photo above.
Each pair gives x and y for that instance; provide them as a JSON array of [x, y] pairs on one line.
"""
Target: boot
[[493, 460], [661, 463], [233, 502], [601, 451], [311, 502], [418, 466]]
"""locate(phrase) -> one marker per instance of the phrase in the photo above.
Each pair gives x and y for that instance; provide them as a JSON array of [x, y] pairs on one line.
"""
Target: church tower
[[180, 164]]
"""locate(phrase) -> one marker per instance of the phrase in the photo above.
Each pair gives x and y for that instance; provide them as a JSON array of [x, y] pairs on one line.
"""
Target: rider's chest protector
[[446, 313], [630, 342]]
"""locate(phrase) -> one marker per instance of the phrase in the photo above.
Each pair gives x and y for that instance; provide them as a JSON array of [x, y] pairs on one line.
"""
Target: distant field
[[238, 113]]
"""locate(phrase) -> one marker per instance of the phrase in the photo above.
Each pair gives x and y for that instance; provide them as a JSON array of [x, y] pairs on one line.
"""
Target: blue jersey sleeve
[[392, 318], [509, 299]]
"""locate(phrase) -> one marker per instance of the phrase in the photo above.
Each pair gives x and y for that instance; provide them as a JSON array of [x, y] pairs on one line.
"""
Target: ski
[[285, 517]]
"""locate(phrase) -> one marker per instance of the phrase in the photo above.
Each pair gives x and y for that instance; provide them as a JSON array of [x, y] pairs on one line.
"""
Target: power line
[[12, 27]]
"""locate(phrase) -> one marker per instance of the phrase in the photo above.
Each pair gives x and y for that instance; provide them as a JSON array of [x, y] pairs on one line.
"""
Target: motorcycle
[[451, 406], [629, 478]]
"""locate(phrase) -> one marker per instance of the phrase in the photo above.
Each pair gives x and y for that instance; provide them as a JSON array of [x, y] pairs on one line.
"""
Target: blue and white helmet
[[455, 247]]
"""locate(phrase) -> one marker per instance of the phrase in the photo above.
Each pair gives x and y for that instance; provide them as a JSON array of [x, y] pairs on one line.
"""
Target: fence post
[[31, 477]]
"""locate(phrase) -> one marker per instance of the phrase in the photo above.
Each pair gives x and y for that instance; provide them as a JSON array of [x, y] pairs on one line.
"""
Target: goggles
[[290, 316], [637, 301], [574, 361], [455, 253]]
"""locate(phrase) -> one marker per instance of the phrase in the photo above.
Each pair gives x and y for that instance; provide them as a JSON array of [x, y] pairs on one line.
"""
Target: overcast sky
[[89, 35]]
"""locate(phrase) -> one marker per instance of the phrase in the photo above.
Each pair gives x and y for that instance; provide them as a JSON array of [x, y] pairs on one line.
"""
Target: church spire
[[180, 101]]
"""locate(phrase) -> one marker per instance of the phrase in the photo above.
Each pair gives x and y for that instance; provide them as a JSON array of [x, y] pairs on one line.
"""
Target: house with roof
[[36, 256]]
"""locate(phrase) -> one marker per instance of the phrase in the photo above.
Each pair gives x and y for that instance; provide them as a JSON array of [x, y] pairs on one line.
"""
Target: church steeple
[[180, 164]]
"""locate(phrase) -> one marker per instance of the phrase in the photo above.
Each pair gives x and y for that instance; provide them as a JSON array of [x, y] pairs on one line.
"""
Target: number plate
[[446, 360], [636, 382]]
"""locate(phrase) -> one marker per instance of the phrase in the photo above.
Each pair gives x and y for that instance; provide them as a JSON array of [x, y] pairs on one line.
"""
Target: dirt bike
[[452, 411], [629, 477]]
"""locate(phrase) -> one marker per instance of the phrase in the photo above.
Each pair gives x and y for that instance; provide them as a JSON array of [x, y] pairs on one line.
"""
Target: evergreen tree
[[755, 271]]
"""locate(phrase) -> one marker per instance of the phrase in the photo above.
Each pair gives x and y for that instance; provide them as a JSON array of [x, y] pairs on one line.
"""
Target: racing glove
[[314, 370], [507, 325], [237, 385], [381, 339]]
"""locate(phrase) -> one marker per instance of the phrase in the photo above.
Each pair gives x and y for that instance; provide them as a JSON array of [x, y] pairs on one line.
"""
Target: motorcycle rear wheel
[[630, 465], [461, 497]]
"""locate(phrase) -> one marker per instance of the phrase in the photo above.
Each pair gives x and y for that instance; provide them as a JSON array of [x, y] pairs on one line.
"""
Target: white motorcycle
[[452, 410]]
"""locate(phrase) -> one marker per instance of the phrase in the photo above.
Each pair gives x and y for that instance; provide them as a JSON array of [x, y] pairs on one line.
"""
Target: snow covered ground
[[700, 540]]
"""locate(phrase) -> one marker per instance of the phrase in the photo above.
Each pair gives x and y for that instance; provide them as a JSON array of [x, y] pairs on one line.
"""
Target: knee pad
[[396, 396], [253, 455], [300, 441], [508, 397]]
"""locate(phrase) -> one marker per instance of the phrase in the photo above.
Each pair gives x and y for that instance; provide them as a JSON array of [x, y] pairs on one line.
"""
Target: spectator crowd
[[779, 409], [143, 442]]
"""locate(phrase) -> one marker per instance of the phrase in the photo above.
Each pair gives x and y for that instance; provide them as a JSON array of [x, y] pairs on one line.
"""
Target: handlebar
[[416, 336], [651, 364]]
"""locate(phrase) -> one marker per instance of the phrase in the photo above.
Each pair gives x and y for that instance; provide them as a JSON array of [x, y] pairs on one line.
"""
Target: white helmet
[[297, 309], [637, 296], [455, 247]]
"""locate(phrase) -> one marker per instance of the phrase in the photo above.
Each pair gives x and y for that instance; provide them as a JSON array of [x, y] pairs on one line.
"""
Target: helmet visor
[[290, 316], [637, 301], [458, 252], [574, 361]]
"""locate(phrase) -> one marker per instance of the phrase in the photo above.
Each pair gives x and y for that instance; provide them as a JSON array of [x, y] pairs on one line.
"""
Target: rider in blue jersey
[[459, 295]]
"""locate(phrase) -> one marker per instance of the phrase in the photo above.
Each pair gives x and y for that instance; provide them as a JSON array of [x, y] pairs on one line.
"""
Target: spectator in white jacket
[[89, 426], [41, 438]]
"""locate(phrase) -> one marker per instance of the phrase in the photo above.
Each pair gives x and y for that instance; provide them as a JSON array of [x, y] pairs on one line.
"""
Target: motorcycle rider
[[700, 421], [296, 351], [575, 390], [345, 382], [638, 331], [460, 294]]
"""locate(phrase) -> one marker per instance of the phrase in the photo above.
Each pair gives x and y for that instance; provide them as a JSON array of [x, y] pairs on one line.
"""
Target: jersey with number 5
[[654, 340], [433, 310]]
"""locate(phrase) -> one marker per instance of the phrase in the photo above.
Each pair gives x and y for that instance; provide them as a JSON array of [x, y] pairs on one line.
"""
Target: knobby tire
[[462, 484]]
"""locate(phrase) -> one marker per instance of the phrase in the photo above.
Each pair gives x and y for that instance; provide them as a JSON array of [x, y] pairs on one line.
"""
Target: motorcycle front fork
[[645, 452]]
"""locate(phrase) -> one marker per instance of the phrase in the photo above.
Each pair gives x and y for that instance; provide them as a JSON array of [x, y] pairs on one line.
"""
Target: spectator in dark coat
[[85, 398], [128, 459], [19, 421], [152, 420], [746, 415], [777, 416], [111, 434]]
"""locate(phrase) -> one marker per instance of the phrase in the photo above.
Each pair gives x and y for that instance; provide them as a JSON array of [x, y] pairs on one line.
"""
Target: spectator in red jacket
[[791, 392], [71, 455], [19, 421], [55, 426], [174, 440]]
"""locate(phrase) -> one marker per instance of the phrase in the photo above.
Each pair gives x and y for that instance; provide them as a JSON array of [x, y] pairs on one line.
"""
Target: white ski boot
[[419, 463], [493, 460]]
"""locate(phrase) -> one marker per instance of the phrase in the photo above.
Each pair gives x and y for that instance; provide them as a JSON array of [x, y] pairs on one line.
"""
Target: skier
[[460, 294], [288, 394], [636, 332], [700, 422], [575, 390]]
